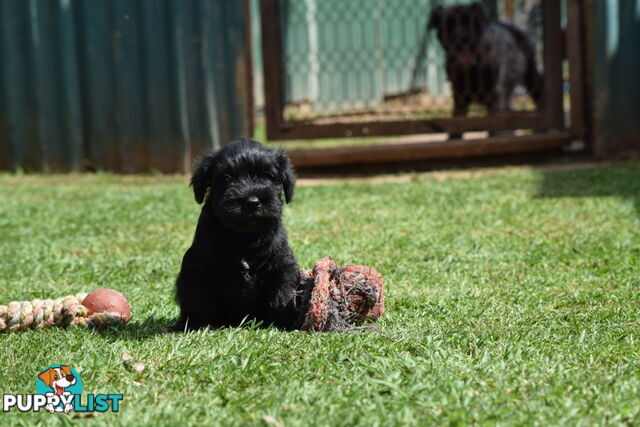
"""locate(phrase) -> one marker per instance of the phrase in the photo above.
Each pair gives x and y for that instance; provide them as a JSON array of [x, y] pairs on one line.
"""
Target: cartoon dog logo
[[59, 379]]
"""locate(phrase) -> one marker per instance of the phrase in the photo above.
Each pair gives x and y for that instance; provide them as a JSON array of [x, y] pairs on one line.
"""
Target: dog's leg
[[198, 308], [500, 99], [460, 109], [491, 103], [49, 407], [68, 407], [501, 90], [283, 310]]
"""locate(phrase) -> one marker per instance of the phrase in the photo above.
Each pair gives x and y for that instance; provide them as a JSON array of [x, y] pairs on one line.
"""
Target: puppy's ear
[[47, 377], [287, 176], [478, 9], [436, 17], [201, 177]]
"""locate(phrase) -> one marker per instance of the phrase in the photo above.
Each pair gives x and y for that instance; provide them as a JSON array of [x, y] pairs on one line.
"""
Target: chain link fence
[[352, 60]]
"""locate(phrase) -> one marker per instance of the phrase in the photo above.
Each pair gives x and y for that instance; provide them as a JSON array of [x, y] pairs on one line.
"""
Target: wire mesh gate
[[337, 68]]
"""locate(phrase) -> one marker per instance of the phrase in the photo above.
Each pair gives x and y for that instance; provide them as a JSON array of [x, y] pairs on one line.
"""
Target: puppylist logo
[[59, 391]]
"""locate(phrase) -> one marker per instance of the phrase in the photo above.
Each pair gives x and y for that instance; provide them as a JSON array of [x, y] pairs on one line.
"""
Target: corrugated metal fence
[[617, 76], [121, 85]]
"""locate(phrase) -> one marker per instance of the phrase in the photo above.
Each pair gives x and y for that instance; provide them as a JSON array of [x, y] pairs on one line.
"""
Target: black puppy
[[240, 264], [485, 59]]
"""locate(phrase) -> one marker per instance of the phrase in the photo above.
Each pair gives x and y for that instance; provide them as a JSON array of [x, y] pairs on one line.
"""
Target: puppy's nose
[[252, 202]]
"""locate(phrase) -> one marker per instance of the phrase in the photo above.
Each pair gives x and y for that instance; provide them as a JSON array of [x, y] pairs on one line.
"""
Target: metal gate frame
[[549, 122]]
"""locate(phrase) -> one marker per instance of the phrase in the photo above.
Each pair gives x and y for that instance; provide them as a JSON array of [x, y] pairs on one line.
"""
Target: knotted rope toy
[[98, 309], [340, 298]]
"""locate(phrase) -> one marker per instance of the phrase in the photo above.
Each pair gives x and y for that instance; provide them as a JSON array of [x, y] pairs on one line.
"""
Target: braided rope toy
[[333, 299], [64, 312]]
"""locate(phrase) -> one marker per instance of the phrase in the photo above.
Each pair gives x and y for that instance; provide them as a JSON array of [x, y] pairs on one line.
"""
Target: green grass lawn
[[510, 298]]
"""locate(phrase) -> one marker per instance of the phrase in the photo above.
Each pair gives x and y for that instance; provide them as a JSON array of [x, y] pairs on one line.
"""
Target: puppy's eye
[[270, 175], [227, 178]]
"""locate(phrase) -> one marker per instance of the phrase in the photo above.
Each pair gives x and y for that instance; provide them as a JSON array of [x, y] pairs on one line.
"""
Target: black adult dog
[[240, 264], [485, 59]]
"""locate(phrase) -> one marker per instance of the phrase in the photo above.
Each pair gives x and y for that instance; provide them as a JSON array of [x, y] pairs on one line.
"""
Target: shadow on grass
[[609, 181], [139, 330], [152, 326]]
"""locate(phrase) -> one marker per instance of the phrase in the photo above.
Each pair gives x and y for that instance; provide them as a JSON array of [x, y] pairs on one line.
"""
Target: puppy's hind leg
[[501, 100]]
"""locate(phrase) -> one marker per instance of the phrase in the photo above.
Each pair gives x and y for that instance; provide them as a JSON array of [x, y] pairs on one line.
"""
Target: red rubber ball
[[108, 300]]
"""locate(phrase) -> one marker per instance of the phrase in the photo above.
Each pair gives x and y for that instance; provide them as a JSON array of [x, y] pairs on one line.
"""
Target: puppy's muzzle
[[251, 204]]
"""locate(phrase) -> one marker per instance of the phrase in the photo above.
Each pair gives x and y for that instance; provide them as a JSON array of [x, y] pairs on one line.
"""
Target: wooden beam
[[393, 153], [504, 121]]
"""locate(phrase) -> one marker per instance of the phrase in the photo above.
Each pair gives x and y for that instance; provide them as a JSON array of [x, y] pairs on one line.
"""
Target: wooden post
[[575, 53], [553, 56], [273, 72]]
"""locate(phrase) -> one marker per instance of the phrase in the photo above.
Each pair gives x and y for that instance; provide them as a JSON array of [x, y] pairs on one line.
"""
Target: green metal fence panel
[[120, 85], [616, 76], [348, 54]]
